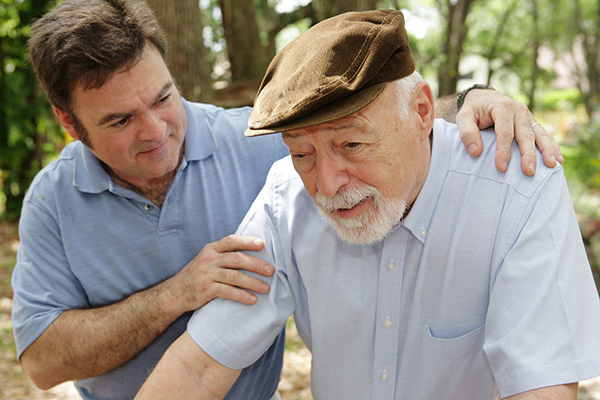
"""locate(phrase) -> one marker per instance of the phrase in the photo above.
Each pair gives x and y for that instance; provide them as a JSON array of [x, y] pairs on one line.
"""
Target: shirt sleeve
[[43, 284], [235, 334], [543, 322]]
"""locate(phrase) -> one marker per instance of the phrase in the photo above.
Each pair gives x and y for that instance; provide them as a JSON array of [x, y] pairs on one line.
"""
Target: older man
[[421, 273]]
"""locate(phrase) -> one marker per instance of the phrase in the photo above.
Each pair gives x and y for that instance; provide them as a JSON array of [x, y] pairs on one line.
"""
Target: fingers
[[216, 270], [551, 152], [469, 132], [237, 286], [505, 134], [512, 121], [228, 282], [237, 242], [526, 140]]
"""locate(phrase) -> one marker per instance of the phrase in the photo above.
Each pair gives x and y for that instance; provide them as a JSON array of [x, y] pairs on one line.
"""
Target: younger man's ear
[[67, 121]]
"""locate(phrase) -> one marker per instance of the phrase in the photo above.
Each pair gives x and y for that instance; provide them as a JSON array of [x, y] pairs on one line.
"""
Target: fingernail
[[553, 160], [472, 148], [531, 167], [257, 242], [269, 269], [504, 166]]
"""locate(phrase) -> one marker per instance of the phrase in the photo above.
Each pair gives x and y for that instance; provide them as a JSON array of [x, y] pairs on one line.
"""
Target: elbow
[[40, 373]]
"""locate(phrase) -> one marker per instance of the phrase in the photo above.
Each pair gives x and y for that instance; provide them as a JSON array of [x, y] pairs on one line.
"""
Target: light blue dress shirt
[[484, 290], [87, 242]]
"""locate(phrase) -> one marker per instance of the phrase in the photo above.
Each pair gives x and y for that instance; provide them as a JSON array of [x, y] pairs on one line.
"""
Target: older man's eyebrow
[[341, 126], [350, 123], [288, 135], [120, 115]]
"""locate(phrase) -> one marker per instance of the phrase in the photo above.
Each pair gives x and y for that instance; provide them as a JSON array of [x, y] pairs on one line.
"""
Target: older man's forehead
[[354, 121]]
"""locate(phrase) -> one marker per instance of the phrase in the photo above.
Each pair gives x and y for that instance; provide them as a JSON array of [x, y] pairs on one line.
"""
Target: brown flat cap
[[332, 70]]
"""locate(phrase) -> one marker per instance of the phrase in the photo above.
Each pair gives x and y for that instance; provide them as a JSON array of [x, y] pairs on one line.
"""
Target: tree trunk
[[186, 55], [535, 69], [247, 55], [590, 90], [456, 32], [324, 9], [500, 29]]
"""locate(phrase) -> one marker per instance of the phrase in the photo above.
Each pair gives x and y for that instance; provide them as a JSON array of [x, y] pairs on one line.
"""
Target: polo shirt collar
[[200, 140], [88, 174], [90, 177], [419, 218]]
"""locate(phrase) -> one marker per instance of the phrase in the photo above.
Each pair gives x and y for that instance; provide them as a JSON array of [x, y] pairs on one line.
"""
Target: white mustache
[[370, 226], [346, 199]]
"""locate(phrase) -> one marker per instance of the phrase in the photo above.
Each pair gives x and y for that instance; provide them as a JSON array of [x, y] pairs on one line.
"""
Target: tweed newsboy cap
[[332, 70]]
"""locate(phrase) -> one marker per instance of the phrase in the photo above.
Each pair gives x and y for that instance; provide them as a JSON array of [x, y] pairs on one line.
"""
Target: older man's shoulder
[[283, 172], [450, 147]]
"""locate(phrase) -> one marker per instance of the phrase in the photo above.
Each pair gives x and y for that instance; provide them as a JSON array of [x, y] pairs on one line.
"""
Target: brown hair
[[84, 42]]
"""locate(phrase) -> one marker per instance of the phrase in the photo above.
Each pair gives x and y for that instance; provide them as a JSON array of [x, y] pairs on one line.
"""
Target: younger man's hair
[[84, 42]]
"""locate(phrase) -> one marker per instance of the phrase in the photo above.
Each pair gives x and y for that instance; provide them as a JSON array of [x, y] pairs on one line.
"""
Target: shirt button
[[384, 375], [423, 232], [148, 207], [391, 265], [387, 322]]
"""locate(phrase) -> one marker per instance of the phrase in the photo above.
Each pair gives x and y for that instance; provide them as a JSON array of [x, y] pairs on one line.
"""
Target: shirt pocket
[[453, 348], [455, 368]]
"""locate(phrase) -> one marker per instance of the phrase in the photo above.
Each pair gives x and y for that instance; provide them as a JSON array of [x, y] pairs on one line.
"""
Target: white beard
[[371, 225]]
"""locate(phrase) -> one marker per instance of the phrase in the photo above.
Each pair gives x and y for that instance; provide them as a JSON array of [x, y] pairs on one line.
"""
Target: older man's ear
[[422, 99]]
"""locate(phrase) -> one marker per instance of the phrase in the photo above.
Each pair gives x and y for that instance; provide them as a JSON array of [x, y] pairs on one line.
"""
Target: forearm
[[81, 344], [445, 107], [85, 343], [185, 372], [559, 392]]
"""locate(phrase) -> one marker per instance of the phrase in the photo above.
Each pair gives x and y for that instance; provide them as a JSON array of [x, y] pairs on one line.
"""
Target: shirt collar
[[419, 218], [200, 140], [88, 174], [90, 177]]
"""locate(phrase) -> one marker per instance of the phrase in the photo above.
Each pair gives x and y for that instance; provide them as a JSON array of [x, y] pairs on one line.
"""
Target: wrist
[[461, 97], [168, 304]]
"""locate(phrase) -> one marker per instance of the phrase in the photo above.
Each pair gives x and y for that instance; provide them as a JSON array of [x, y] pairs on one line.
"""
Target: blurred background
[[544, 53]]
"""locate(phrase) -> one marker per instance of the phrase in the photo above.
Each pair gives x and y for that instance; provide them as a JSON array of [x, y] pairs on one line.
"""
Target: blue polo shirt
[[87, 242]]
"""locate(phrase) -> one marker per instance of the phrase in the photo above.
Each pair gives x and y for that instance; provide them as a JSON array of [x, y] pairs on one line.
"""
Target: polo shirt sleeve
[[543, 322], [43, 284], [235, 334]]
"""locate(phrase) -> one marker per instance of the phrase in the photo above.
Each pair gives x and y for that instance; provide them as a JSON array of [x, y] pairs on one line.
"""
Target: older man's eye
[[353, 146]]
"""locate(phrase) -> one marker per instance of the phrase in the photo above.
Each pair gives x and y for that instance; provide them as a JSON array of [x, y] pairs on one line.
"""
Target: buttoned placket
[[388, 329]]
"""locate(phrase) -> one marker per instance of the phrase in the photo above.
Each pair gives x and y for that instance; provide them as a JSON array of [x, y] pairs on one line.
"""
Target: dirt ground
[[15, 384]]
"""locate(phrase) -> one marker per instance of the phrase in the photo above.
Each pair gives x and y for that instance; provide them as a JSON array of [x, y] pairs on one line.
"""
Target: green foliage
[[582, 169], [28, 133], [581, 159], [566, 99]]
